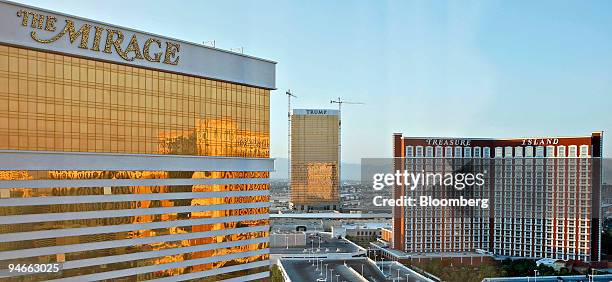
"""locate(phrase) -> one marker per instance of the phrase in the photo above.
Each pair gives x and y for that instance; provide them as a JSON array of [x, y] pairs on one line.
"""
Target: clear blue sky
[[424, 68]]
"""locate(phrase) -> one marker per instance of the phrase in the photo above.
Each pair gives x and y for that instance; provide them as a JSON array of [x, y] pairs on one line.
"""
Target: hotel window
[[477, 152], [438, 151], [573, 151], [508, 152], [419, 151], [458, 152], [529, 151], [539, 151], [499, 152], [409, 151], [467, 152], [518, 152], [486, 152], [560, 151], [448, 152], [550, 151], [429, 151], [584, 151]]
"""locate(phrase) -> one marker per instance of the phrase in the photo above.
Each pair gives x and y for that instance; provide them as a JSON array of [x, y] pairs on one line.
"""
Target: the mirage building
[[128, 155], [544, 196], [315, 159]]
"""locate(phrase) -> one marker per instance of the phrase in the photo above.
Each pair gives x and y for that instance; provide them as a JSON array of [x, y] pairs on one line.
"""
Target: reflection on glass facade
[[205, 218], [314, 159], [53, 102]]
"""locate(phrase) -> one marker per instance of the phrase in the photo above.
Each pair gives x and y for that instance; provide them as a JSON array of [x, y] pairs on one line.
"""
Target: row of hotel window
[[483, 235], [514, 164], [561, 253], [580, 248], [501, 223], [526, 212], [536, 252], [511, 211], [429, 238], [527, 236], [500, 152]]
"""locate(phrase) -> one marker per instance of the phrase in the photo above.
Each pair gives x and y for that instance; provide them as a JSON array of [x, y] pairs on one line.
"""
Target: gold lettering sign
[[152, 49]]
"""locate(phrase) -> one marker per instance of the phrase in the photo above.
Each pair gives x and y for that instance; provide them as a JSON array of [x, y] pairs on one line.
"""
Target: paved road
[[350, 270], [398, 272], [302, 271], [366, 270]]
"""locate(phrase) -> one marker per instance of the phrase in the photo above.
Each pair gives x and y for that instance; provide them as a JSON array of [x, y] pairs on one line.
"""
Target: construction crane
[[339, 101], [289, 96]]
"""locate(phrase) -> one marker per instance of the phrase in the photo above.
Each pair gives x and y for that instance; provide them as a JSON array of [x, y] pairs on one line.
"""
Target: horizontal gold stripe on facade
[[128, 190], [138, 248], [145, 233], [83, 191], [50, 209], [195, 212], [193, 269], [196, 268], [124, 174], [97, 222]]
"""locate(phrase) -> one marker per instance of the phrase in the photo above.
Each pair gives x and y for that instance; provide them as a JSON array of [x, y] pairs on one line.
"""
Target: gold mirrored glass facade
[[176, 224], [54, 102], [314, 159]]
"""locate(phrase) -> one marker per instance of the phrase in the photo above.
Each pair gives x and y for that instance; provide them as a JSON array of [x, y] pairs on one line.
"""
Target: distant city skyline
[[469, 69]]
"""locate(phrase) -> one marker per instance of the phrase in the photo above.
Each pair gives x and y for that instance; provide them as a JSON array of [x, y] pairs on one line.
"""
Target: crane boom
[[339, 101], [289, 96]]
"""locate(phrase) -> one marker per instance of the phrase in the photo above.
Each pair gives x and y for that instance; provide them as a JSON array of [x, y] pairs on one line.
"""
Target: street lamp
[[308, 252], [325, 272], [407, 277], [535, 275], [321, 264], [312, 250]]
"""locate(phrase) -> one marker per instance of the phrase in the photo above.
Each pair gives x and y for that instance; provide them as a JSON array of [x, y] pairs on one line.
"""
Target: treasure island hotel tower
[[543, 193], [127, 155]]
